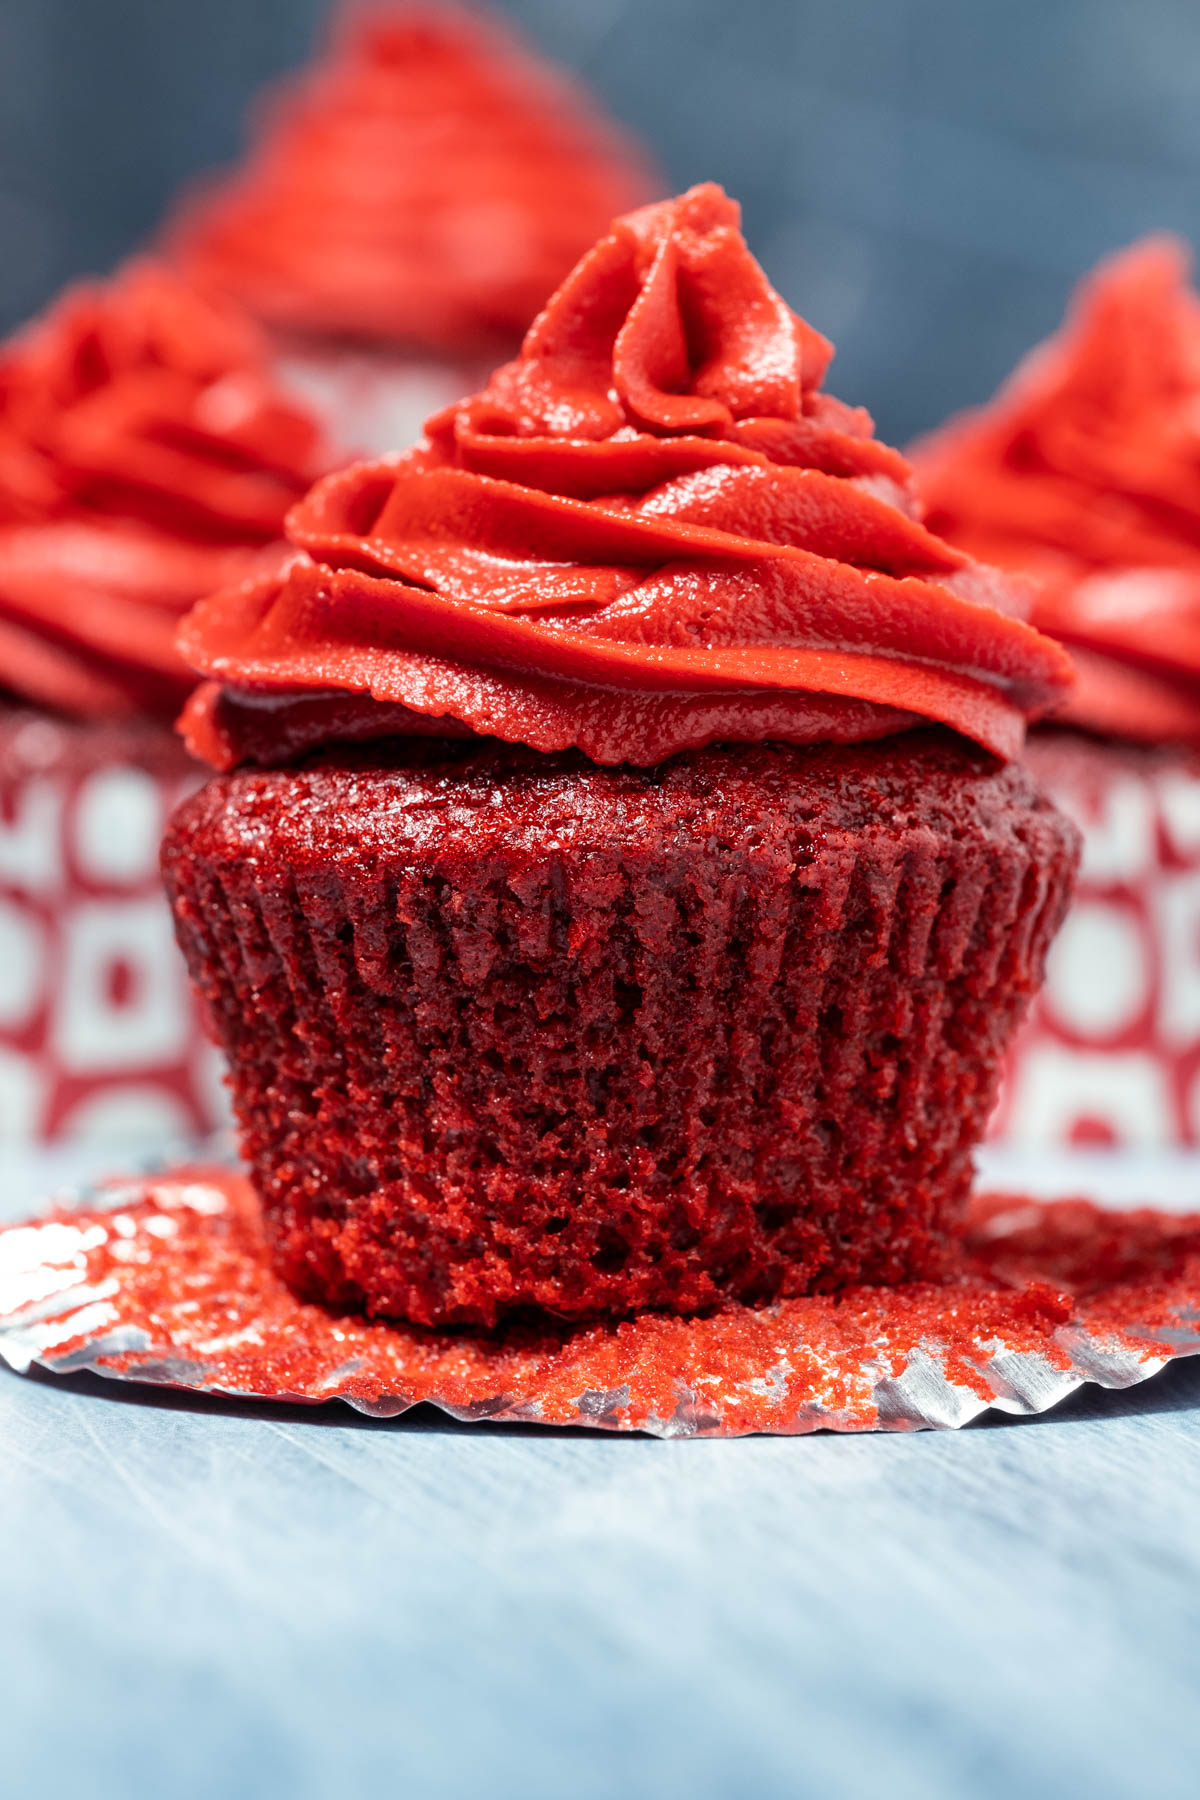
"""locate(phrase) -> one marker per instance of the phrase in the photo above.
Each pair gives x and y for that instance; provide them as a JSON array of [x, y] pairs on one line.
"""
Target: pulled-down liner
[[166, 1279]]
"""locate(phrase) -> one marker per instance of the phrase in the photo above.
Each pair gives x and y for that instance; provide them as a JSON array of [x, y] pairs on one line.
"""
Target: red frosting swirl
[[427, 184], [145, 457], [1084, 471], [650, 532]]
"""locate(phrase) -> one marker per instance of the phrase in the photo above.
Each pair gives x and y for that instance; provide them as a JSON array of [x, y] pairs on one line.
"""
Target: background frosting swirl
[[650, 532], [146, 456], [1084, 472], [427, 184]]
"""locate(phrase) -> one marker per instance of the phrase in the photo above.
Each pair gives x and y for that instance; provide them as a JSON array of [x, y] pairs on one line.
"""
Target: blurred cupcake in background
[[1084, 472], [408, 204], [146, 457]]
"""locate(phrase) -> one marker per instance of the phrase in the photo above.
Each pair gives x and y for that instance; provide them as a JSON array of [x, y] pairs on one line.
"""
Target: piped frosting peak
[[651, 531]]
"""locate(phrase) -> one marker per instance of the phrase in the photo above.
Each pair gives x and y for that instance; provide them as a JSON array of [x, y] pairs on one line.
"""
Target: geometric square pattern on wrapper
[[1111, 1051], [100, 1037]]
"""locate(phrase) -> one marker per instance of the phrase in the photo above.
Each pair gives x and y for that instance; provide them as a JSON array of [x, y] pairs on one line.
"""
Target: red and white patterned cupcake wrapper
[[1111, 1051], [99, 1034], [166, 1279]]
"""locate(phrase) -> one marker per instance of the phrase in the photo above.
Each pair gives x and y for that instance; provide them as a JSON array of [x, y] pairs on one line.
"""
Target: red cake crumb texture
[[146, 457], [685, 974], [526, 1031], [181, 1262], [1084, 473], [426, 184]]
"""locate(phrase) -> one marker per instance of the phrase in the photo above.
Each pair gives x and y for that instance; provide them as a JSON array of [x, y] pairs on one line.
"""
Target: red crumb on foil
[[168, 1279]]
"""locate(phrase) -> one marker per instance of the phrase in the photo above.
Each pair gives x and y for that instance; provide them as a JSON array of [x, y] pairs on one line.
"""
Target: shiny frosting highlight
[[1084, 472], [650, 532], [145, 457], [427, 184]]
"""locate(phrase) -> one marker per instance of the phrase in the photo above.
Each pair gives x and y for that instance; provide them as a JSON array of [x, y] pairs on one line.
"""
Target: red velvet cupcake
[[145, 456], [618, 894], [408, 205], [1084, 473]]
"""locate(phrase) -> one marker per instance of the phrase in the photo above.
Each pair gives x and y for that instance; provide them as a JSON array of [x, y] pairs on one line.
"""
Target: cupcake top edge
[[146, 456], [1083, 473], [423, 184], [652, 531]]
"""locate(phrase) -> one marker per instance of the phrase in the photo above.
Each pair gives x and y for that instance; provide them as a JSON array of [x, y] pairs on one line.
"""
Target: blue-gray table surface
[[212, 1599]]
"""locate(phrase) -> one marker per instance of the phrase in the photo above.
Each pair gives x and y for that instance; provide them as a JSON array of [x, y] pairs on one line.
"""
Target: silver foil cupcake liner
[[167, 1279]]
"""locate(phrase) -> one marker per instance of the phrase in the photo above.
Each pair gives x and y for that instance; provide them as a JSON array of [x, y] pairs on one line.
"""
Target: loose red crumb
[[175, 1271]]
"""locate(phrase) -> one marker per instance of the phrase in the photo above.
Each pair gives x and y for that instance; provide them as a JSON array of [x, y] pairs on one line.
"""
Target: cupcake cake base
[[509, 1030]]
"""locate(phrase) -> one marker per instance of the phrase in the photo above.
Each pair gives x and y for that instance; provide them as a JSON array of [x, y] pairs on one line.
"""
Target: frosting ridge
[[146, 456], [1084, 472], [651, 531], [426, 184]]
